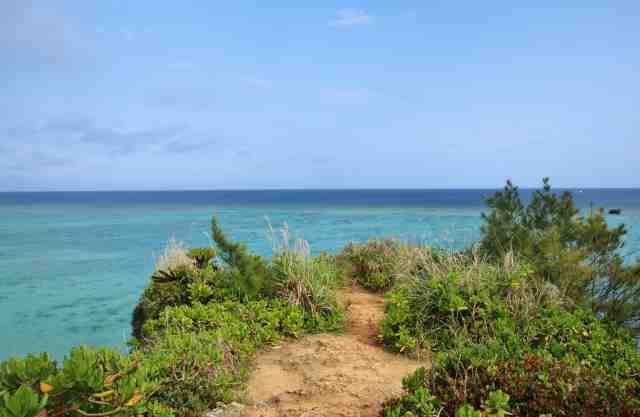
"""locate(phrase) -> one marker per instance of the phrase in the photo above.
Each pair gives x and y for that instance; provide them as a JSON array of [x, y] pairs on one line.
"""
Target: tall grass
[[379, 263], [310, 282], [439, 295]]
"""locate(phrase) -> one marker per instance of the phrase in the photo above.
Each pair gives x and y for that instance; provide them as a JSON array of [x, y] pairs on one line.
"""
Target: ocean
[[73, 264]]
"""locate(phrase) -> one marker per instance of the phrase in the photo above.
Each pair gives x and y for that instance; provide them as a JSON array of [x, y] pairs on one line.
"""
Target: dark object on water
[[615, 211]]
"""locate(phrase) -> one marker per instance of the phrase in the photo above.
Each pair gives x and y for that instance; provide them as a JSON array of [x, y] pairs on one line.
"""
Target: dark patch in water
[[112, 311], [73, 329], [63, 306], [93, 312], [21, 318], [97, 328], [45, 314]]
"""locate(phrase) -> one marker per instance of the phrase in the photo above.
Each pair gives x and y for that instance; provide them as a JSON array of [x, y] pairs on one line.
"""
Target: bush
[[202, 352], [373, 264], [182, 277], [263, 321], [169, 285], [505, 328], [421, 402], [530, 387], [247, 276], [580, 255], [181, 286], [202, 256], [155, 298], [432, 312], [90, 382]]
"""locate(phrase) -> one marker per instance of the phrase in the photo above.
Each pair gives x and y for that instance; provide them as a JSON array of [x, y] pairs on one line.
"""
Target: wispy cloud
[[45, 159], [120, 142], [79, 131], [351, 17], [40, 33], [67, 124], [24, 158], [181, 146]]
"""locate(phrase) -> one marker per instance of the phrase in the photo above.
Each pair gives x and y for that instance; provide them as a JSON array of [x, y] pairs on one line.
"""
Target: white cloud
[[351, 17]]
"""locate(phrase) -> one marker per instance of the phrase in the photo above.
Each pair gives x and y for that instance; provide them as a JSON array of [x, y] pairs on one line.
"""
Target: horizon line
[[169, 190]]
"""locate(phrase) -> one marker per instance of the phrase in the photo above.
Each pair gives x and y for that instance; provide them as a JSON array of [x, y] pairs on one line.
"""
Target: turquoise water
[[72, 265]]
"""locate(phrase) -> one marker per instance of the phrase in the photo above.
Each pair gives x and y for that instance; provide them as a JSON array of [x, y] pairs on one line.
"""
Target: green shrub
[[263, 321], [184, 278], [90, 382], [373, 264], [169, 284], [155, 298], [28, 371], [578, 254], [202, 256], [198, 370], [504, 328], [435, 311], [184, 287], [247, 276], [24, 402], [202, 352], [420, 402], [528, 387]]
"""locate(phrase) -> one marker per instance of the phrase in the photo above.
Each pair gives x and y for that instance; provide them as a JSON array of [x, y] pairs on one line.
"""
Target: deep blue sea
[[72, 265]]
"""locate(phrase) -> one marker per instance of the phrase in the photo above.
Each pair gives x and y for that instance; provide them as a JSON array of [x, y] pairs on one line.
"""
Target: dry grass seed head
[[174, 257]]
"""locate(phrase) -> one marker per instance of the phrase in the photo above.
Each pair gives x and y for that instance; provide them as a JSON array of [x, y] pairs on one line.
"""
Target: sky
[[152, 95]]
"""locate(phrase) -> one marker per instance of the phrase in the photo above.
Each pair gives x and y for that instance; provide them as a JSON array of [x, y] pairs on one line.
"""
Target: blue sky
[[253, 94]]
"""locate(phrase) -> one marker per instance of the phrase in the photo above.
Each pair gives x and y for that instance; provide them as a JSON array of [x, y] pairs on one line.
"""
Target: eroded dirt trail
[[330, 375]]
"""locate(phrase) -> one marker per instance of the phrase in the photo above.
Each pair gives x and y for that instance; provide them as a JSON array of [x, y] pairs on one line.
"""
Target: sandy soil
[[330, 375]]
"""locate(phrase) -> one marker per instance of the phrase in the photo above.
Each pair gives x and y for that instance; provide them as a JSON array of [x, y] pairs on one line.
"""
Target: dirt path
[[330, 375]]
